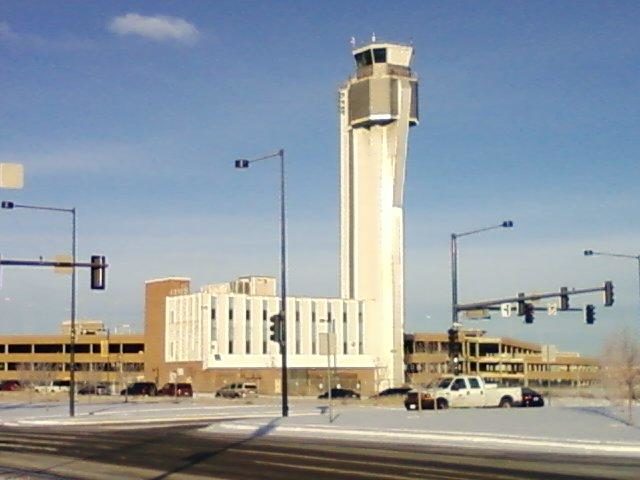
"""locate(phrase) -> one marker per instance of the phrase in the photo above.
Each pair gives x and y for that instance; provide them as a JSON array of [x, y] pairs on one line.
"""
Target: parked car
[[340, 393], [94, 389], [531, 398], [238, 390], [393, 392], [463, 391], [140, 388], [176, 390], [10, 385], [55, 386]]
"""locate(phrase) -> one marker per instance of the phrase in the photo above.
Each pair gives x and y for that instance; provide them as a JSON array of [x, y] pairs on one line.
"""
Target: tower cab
[[382, 73]]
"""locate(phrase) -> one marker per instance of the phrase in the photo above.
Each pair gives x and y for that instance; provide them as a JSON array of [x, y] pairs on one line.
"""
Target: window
[[460, 383], [82, 348], [474, 383], [51, 348], [364, 58], [132, 347], [230, 329], [345, 345], [19, 348], [247, 327], [380, 55], [214, 321], [265, 326], [314, 331], [360, 330], [297, 328]]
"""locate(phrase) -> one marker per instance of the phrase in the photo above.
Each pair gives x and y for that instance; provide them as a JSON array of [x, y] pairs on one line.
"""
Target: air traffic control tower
[[377, 107]]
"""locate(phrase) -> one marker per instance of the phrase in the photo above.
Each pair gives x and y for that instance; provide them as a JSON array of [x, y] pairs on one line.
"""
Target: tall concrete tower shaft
[[377, 107]]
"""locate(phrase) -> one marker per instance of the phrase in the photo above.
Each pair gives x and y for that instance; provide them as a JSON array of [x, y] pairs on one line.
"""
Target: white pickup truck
[[463, 391], [54, 386]]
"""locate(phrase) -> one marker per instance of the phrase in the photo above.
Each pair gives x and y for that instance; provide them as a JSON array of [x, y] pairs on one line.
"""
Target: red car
[[10, 385], [183, 390]]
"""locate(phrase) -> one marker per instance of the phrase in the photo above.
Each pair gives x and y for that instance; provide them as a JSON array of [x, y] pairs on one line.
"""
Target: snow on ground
[[584, 426]]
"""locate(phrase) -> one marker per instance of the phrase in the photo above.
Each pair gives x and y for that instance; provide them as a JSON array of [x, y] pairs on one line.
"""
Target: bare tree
[[621, 367]]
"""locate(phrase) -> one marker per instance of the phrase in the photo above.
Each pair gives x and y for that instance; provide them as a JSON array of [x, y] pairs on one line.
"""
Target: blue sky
[[133, 112]]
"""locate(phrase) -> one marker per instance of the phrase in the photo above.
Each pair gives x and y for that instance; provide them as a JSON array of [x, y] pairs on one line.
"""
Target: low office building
[[497, 359], [102, 357], [220, 335]]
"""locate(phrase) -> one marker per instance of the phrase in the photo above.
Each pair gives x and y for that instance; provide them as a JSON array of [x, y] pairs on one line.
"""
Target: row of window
[[265, 319], [31, 348], [65, 367]]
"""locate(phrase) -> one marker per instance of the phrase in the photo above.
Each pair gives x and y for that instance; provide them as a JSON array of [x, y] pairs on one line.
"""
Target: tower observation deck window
[[364, 58], [380, 55]]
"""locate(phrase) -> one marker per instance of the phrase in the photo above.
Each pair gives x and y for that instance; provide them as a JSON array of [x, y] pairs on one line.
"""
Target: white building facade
[[377, 107], [221, 329]]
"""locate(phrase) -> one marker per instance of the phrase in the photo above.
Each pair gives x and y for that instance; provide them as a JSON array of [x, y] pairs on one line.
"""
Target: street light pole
[[454, 264], [72, 334], [590, 253], [244, 163], [454, 278]]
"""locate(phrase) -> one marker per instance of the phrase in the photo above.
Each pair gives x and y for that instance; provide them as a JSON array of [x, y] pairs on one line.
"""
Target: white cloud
[[158, 27]]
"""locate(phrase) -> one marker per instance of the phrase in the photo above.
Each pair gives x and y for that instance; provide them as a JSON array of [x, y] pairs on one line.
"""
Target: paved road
[[182, 452]]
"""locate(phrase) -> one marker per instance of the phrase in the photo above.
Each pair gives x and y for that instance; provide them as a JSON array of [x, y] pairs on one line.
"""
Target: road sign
[[63, 258], [552, 308], [505, 310], [11, 175], [479, 313]]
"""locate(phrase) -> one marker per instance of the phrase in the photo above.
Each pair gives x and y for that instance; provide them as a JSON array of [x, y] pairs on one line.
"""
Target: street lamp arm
[[279, 153], [607, 254], [505, 224], [36, 207]]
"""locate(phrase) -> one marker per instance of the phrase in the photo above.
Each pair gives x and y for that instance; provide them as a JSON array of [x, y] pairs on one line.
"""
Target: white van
[[238, 390]]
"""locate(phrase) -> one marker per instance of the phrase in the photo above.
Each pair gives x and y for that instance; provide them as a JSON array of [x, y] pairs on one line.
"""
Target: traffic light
[[589, 314], [520, 305], [564, 298], [276, 328], [7, 204], [529, 310], [98, 272], [457, 365], [454, 342], [608, 293]]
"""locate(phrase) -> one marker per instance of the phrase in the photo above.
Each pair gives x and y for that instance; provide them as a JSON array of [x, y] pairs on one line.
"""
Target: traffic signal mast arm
[[49, 263], [536, 296], [98, 266]]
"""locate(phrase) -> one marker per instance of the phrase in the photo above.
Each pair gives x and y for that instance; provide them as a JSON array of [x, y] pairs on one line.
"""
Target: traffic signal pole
[[98, 267]]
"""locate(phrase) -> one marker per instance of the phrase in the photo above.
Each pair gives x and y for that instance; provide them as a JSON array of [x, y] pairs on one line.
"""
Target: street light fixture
[[7, 205], [244, 163], [454, 264], [591, 253]]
